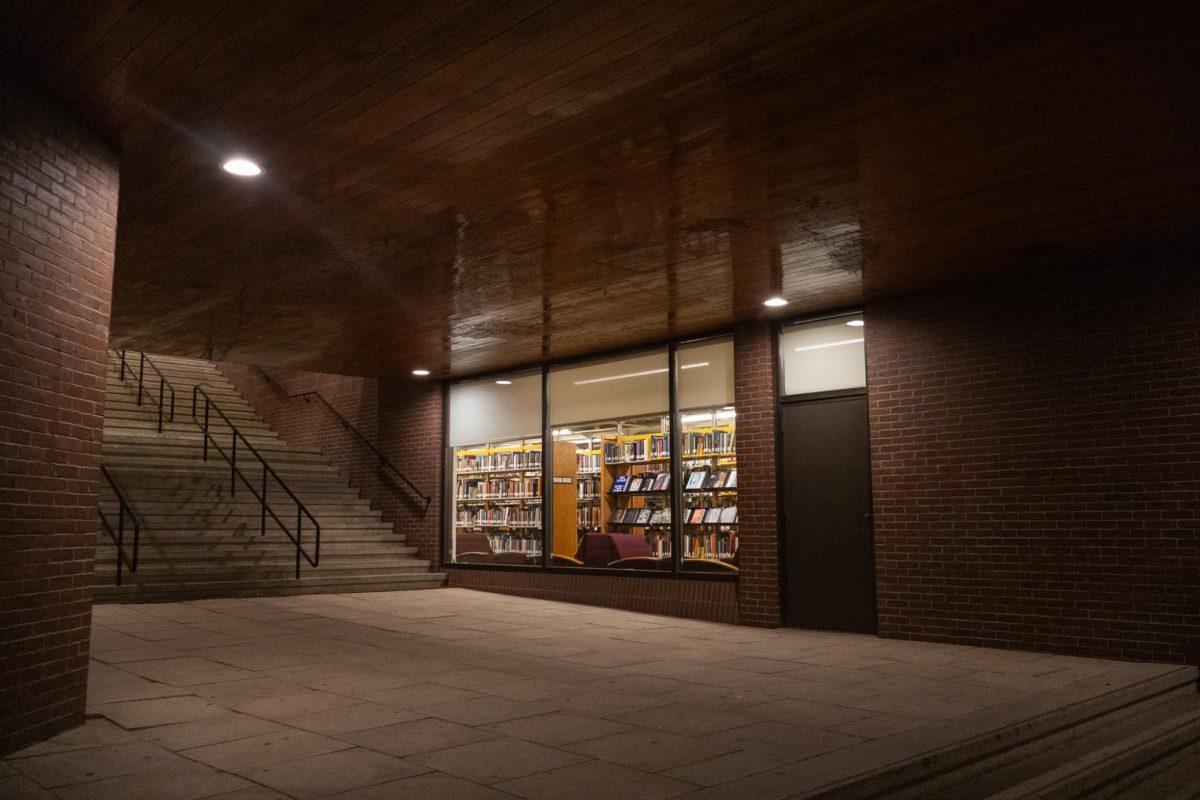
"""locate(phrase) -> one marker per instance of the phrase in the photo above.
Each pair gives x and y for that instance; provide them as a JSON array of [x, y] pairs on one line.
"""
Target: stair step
[[965, 769], [1029, 762], [1095, 769], [331, 585]]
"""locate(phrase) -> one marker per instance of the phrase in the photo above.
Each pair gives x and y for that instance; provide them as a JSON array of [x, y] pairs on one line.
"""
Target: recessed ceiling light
[[243, 167], [504, 383], [774, 302], [420, 372], [855, 323]]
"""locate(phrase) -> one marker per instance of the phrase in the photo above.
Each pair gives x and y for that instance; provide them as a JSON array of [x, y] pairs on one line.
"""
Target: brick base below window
[[715, 601]]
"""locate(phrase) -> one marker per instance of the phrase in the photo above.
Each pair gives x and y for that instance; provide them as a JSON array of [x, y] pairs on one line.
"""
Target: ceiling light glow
[[504, 383], [775, 302], [855, 323], [242, 167], [420, 373]]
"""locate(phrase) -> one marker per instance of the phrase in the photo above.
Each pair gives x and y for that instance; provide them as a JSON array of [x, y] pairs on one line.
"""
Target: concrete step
[[1035, 763], [265, 566], [199, 547], [1128, 754], [176, 591], [1010, 753], [178, 447], [1178, 778]]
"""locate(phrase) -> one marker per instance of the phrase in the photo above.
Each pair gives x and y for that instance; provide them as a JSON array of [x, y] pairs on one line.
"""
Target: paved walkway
[[468, 696]]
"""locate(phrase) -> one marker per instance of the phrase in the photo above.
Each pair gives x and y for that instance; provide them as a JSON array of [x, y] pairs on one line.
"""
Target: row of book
[[705, 478], [520, 516], [640, 449], [588, 517], [498, 488], [588, 488], [710, 545], [641, 516], [503, 460], [714, 515], [645, 482], [708, 443], [589, 463], [505, 543]]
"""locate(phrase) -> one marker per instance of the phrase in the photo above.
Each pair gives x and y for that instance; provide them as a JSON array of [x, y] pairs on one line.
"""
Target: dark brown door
[[830, 559]]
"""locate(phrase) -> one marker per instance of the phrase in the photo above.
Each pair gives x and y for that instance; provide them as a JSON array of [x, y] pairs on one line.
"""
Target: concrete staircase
[[1138, 743], [199, 541]]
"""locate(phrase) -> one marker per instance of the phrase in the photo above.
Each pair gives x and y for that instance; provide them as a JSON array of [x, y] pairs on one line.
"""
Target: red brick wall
[[709, 600], [401, 418], [1036, 464], [758, 509], [58, 205]]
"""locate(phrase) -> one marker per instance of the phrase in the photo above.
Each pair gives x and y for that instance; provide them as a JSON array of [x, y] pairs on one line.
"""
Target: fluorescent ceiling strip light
[[828, 344], [642, 374]]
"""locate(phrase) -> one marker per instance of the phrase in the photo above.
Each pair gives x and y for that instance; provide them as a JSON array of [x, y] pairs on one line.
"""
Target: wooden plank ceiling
[[466, 186]]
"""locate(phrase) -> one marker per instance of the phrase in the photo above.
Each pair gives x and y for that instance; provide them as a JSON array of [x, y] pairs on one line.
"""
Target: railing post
[[120, 537], [233, 466], [263, 521], [161, 387], [299, 524], [141, 375], [172, 417], [137, 538], [122, 365], [206, 427]]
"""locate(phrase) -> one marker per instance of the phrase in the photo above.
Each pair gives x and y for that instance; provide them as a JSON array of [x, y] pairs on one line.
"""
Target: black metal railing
[[347, 425], [117, 534], [164, 386], [260, 493]]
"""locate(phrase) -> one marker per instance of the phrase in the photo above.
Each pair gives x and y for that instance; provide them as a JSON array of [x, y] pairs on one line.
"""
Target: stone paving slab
[[474, 696]]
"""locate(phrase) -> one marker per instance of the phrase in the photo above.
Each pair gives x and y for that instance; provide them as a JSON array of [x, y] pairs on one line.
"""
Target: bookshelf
[[635, 487], [709, 484], [498, 493]]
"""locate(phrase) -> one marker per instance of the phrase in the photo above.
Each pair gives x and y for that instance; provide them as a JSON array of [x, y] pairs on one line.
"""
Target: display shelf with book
[[709, 476], [636, 484]]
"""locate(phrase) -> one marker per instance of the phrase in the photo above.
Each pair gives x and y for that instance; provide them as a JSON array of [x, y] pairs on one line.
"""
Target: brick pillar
[[758, 506], [58, 207]]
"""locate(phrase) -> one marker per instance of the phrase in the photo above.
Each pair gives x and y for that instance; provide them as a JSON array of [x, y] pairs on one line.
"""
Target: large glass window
[[496, 457], [611, 463], [824, 355], [709, 475]]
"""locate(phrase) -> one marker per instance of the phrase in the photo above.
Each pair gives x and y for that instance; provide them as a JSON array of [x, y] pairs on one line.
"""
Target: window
[[824, 355], [496, 457], [612, 463], [709, 476]]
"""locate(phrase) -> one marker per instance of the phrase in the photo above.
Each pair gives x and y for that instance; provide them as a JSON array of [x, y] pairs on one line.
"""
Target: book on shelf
[[658, 516], [499, 460], [696, 517], [635, 484], [620, 483], [722, 477], [612, 453], [731, 481], [713, 442], [662, 481], [712, 516], [695, 479], [728, 515], [643, 516], [588, 462]]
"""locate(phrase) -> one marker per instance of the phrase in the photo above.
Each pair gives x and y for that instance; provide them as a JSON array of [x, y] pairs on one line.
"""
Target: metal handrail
[[235, 473], [346, 424], [118, 535], [163, 385]]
